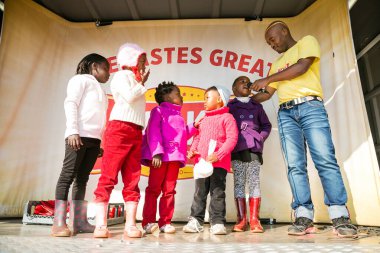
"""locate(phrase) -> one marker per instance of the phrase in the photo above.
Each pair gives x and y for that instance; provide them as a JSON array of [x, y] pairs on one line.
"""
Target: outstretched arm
[[289, 73]]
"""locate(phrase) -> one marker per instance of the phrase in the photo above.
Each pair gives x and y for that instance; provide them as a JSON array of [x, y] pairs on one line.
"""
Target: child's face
[[213, 100], [141, 63], [174, 97], [240, 88], [101, 71]]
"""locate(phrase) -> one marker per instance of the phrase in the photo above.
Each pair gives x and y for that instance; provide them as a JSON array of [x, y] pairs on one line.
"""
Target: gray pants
[[246, 173], [216, 186]]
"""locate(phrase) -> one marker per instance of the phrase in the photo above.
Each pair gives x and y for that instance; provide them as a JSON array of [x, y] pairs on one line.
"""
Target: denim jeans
[[307, 124]]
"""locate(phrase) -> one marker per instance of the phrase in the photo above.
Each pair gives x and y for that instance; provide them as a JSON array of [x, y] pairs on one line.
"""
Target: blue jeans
[[308, 123]]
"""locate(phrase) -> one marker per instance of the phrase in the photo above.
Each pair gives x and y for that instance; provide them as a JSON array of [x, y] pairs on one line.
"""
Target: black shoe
[[344, 228], [301, 226]]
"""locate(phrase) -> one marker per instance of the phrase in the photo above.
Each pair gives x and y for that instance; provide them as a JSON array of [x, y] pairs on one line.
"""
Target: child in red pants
[[123, 138], [164, 150]]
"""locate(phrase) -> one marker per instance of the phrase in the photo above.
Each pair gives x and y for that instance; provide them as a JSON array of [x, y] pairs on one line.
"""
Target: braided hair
[[163, 89], [84, 66]]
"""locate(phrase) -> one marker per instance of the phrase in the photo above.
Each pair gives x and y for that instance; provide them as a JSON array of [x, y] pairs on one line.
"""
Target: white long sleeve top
[[129, 98], [85, 107]]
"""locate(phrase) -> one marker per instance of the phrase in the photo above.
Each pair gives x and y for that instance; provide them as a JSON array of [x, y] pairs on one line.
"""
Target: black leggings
[[77, 166]]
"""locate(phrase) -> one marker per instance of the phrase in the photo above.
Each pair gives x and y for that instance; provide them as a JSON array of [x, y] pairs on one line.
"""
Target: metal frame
[[371, 96]]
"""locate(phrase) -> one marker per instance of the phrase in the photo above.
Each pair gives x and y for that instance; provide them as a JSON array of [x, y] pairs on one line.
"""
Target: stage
[[16, 237]]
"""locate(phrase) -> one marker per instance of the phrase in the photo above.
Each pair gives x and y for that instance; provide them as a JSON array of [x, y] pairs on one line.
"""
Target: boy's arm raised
[[292, 72]]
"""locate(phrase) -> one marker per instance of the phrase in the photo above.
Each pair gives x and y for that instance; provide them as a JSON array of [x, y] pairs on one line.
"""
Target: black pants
[[216, 186], [77, 166]]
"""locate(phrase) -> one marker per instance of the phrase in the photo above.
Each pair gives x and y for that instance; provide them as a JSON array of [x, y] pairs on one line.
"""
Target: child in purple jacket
[[254, 127], [164, 150]]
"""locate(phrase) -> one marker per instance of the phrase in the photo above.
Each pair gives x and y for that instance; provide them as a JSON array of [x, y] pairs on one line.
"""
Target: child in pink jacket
[[164, 151], [219, 125]]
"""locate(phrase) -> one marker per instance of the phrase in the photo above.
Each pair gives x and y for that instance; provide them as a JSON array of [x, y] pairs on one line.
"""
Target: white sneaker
[[168, 228], [218, 229], [150, 228], [192, 226]]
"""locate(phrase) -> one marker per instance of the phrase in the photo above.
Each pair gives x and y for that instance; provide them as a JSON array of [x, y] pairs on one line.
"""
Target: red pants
[[162, 179], [122, 152]]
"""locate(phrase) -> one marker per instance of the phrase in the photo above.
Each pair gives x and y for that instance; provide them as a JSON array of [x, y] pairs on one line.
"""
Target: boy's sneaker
[[150, 228], [192, 226], [343, 228], [218, 229], [168, 229], [301, 226]]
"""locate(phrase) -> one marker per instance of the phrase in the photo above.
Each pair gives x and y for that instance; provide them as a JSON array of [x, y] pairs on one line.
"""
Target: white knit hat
[[129, 54], [224, 94]]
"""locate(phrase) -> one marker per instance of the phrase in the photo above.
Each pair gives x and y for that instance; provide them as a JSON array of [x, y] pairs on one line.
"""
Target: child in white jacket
[[85, 109]]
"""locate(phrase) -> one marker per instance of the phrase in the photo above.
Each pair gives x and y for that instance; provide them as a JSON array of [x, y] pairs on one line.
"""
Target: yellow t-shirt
[[308, 84]]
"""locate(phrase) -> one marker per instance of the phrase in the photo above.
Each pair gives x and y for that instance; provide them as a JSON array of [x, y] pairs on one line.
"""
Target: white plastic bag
[[203, 169]]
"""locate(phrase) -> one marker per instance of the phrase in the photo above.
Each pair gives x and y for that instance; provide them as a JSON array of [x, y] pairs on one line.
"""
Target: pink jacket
[[166, 134], [219, 125]]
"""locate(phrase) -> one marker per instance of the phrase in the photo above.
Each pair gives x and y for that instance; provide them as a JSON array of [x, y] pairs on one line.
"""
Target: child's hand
[[259, 84], [74, 141], [212, 158], [101, 151], [157, 161], [198, 122], [191, 154], [145, 76]]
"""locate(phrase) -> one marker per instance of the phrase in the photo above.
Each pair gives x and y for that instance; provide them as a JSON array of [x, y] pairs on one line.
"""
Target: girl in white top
[[123, 140], [85, 108]]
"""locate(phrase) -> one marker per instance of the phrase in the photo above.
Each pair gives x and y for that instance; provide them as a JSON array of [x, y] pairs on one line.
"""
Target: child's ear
[[94, 66], [234, 90], [220, 101]]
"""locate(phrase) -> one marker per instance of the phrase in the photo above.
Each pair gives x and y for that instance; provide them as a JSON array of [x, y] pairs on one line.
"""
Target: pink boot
[[130, 221], [101, 230], [78, 217], [60, 228]]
